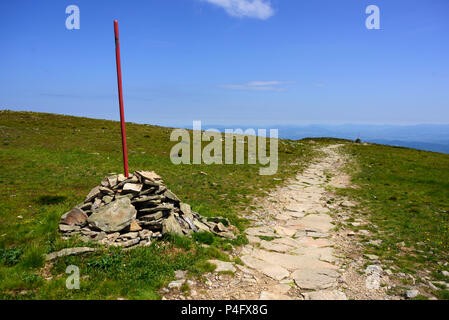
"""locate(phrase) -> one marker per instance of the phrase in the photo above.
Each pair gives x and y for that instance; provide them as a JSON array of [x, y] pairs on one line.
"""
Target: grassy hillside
[[405, 193], [49, 163]]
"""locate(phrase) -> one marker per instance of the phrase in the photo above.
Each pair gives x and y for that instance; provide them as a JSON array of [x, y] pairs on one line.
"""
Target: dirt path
[[295, 251]]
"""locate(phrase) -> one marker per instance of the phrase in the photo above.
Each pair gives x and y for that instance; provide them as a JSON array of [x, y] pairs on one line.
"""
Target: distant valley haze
[[429, 137]]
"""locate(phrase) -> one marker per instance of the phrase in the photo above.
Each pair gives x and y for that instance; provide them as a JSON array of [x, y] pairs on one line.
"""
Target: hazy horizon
[[230, 123], [430, 137]]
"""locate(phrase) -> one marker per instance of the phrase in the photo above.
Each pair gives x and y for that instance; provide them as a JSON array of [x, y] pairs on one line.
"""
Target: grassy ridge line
[[405, 193], [50, 162]]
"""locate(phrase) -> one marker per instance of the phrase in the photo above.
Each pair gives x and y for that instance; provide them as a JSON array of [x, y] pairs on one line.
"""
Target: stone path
[[293, 250], [300, 253]]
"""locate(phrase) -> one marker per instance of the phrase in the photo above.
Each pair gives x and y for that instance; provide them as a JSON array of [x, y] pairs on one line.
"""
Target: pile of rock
[[131, 211]]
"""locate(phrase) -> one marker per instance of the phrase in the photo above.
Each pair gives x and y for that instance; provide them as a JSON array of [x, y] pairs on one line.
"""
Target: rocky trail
[[294, 251]]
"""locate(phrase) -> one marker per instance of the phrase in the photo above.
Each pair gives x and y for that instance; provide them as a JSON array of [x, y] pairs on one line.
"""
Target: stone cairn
[[132, 211]]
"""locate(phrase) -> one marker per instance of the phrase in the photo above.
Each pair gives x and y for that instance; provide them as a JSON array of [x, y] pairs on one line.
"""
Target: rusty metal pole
[[120, 97]]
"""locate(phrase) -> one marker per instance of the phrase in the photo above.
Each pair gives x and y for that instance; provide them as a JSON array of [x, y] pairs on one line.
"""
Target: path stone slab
[[253, 239], [286, 232], [291, 262], [310, 233], [325, 295], [316, 279], [317, 222], [271, 270], [266, 295], [272, 246], [294, 214], [261, 231], [281, 288], [310, 242], [288, 242], [323, 254], [282, 216], [223, 266]]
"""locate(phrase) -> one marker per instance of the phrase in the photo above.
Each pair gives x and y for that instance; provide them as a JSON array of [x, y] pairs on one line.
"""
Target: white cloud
[[259, 9], [257, 86]]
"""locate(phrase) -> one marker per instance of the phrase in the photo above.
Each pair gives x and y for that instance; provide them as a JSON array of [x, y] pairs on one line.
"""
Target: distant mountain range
[[432, 137]]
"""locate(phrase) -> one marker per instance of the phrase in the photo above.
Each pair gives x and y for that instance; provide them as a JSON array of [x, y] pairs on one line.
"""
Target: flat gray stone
[[170, 195], [146, 198], [68, 228], [219, 227], [412, 293], [282, 217], [372, 282], [314, 222], [373, 269], [152, 216], [129, 235], [162, 207], [185, 208], [254, 240], [267, 295], [283, 231], [68, 252], [309, 242], [296, 214], [310, 233], [291, 262], [323, 254], [149, 175], [114, 216], [269, 269], [112, 181], [126, 244], [262, 231], [288, 242], [201, 226], [272, 246], [107, 199], [132, 187], [315, 279], [170, 225], [282, 288], [223, 266], [325, 295], [95, 192], [176, 284]]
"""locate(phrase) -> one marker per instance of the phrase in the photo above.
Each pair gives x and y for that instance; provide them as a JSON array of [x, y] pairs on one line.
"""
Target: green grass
[[267, 238], [10, 256], [49, 163], [405, 193], [204, 237]]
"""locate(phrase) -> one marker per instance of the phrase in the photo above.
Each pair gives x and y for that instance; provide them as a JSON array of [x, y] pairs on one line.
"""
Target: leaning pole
[[120, 97]]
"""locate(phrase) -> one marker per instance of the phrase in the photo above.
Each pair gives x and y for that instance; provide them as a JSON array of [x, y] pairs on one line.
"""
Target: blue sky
[[227, 62]]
